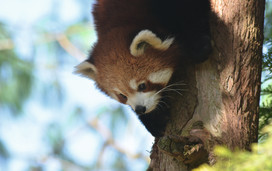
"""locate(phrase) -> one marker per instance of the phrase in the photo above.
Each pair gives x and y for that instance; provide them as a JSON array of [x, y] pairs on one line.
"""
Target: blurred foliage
[[258, 159], [267, 57], [266, 92], [3, 151], [115, 117], [267, 60], [265, 110], [268, 21], [16, 81], [80, 35], [120, 163], [56, 137], [38, 77], [16, 77]]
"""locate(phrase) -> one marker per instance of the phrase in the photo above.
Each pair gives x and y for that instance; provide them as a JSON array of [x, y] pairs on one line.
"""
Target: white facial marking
[[113, 96], [117, 90], [161, 77], [147, 99], [148, 37], [133, 84]]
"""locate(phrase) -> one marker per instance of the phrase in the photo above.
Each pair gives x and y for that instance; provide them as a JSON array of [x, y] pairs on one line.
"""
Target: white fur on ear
[[147, 37], [161, 77], [86, 69]]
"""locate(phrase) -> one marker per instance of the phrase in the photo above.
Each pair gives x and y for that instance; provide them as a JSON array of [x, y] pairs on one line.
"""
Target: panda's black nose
[[140, 109]]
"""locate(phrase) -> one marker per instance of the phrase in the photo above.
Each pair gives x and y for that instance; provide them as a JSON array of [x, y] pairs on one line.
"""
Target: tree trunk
[[220, 103]]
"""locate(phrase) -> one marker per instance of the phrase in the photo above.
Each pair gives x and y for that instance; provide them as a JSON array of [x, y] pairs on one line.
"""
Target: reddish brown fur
[[116, 66], [116, 30], [109, 14]]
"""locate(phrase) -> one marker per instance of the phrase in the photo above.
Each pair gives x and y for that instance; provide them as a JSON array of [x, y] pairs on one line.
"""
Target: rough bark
[[222, 93]]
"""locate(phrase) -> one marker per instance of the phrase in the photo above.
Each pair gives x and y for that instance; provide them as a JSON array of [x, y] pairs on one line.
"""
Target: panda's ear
[[147, 38], [86, 69]]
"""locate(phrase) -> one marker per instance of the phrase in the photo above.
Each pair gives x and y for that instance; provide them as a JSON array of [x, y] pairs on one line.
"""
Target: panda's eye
[[142, 87], [123, 96]]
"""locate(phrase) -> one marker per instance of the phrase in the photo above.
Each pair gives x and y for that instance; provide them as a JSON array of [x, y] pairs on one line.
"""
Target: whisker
[[178, 83], [165, 88], [174, 91], [159, 106], [171, 85], [177, 89], [170, 97], [164, 103], [175, 84]]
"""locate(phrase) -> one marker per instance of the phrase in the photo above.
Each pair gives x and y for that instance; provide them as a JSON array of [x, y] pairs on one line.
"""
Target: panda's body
[[140, 44]]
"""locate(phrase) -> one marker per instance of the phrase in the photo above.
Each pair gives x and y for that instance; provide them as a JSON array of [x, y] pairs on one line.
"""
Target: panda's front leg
[[156, 120]]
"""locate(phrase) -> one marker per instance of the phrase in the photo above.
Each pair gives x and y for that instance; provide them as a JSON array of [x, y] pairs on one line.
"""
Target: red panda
[[140, 45]]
